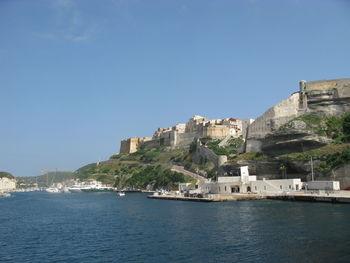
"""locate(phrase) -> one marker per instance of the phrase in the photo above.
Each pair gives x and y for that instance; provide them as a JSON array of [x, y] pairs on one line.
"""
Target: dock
[[215, 198], [328, 198], [340, 197]]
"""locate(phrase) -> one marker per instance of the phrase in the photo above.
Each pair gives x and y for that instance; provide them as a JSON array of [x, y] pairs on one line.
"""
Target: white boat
[[121, 193], [53, 190]]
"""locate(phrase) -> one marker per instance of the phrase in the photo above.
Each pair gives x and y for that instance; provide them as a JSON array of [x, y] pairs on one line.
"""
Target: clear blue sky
[[76, 77]]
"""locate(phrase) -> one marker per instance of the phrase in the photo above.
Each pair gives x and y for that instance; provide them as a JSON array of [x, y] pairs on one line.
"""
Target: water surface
[[101, 227]]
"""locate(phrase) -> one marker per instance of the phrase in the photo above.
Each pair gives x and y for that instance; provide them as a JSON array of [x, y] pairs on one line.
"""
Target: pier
[[213, 198], [342, 197]]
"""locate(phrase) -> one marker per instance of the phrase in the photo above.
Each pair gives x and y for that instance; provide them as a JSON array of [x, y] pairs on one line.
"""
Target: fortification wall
[[324, 85], [183, 140], [274, 117], [203, 154], [129, 145], [216, 131]]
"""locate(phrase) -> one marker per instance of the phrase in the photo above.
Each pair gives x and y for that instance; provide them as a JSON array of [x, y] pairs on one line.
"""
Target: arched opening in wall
[[234, 189], [249, 189]]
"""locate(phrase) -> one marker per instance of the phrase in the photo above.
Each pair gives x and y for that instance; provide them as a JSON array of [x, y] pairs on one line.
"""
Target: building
[[276, 186], [131, 145], [245, 183], [323, 185], [231, 184], [183, 134], [7, 184]]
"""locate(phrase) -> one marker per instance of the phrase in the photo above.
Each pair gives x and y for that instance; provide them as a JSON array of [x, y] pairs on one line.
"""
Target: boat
[[53, 190], [90, 186], [121, 193], [5, 194]]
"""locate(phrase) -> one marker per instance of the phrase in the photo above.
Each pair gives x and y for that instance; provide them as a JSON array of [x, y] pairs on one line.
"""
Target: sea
[[103, 227]]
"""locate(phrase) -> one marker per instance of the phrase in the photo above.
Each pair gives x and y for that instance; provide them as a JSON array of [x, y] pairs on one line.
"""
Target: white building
[[7, 184], [276, 186], [246, 183], [231, 184]]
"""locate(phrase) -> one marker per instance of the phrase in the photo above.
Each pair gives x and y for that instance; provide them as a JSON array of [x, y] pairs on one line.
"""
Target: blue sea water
[[101, 227]]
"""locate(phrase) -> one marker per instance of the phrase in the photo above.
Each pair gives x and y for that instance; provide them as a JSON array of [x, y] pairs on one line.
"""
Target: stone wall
[[327, 97], [131, 145], [203, 154], [271, 120], [325, 85], [216, 131]]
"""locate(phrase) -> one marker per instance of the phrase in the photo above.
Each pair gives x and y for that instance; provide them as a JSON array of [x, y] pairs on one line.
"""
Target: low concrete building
[[7, 184], [322, 185], [231, 184], [246, 183], [276, 186]]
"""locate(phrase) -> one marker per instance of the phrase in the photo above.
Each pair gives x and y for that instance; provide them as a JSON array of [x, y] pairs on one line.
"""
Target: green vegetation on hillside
[[6, 174], [252, 156], [229, 149], [154, 177], [329, 156], [45, 180], [336, 128], [140, 169]]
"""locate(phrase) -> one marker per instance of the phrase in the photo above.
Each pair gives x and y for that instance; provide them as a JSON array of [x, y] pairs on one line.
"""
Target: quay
[[213, 198], [341, 197]]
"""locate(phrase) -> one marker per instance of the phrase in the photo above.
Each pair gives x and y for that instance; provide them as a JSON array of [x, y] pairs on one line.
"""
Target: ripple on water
[[39, 227]]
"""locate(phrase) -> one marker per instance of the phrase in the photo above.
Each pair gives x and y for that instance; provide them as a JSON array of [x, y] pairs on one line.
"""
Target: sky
[[78, 76]]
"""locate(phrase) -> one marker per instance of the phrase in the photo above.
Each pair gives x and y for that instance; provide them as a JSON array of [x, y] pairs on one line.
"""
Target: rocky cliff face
[[322, 98], [299, 124], [293, 137]]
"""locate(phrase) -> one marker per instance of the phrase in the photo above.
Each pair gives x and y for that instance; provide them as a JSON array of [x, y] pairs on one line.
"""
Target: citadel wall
[[325, 97], [181, 135], [274, 117]]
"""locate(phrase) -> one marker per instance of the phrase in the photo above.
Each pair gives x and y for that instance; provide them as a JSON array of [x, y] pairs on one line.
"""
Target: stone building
[[181, 135]]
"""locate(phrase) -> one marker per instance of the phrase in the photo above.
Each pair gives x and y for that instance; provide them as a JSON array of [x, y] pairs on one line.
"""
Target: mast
[[312, 170]]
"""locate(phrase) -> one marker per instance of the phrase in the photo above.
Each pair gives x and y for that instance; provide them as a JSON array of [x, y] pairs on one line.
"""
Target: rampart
[[325, 97]]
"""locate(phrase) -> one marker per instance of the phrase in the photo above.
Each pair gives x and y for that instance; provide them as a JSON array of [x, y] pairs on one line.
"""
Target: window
[[255, 187], [225, 189], [264, 187], [290, 187], [280, 186], [297, 187]]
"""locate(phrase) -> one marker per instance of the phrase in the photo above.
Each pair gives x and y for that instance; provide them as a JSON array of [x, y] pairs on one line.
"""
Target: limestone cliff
[[322, 98]]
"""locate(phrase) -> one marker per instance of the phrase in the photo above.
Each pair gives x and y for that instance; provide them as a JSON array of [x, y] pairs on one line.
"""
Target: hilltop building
[[181, 135]]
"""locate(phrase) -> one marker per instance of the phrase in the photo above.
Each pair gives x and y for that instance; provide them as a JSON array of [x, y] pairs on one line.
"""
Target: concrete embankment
[[216, 198], [330, 198], [312, 198]]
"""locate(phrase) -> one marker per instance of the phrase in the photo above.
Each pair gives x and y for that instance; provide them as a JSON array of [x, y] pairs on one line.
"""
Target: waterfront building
[[7, 184], [276, 186], [245, 183], [323, 185]]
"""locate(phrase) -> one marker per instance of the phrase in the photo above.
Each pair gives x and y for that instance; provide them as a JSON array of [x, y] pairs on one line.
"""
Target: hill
[[46, 179], [7, 175], [144, 169]]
